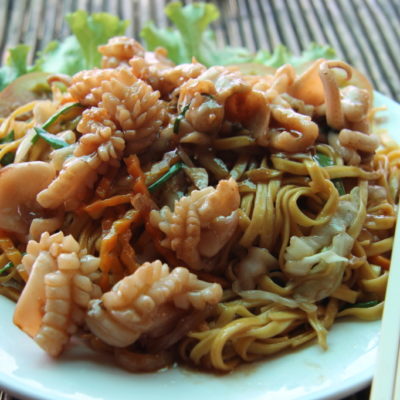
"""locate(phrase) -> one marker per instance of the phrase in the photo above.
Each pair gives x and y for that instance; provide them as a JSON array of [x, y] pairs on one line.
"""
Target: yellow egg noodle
[[169, 213]]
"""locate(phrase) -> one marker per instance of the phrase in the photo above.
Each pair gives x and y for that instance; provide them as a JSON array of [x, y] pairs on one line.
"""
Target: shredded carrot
[[127, 254], [381, 261], [104, 186], [109, 261], [134, 169], [97, 207]]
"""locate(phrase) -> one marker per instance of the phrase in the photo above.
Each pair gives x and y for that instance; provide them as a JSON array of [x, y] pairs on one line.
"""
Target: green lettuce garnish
[[73, 54], [191, 37]]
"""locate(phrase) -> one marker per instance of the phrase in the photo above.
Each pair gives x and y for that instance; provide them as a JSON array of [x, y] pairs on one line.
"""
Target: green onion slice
[[68, 112], [324, 161], [179, 118], [173, 170], [52, 140], [8, 266]]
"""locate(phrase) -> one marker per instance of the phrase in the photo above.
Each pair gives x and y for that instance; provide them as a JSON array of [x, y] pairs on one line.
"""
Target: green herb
[[52, 140], [93, 30], [325, 161], [191, 37], [179, 118], [365, 304], [59, 114], [7, 159], [8, 266], [281, 55], [172, 171], [8, 138]]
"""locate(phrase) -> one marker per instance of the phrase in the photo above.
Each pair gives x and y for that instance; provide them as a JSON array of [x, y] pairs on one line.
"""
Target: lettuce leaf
[[73, 54], [15, 66], [93, 30], [191, 37], [281, 55]]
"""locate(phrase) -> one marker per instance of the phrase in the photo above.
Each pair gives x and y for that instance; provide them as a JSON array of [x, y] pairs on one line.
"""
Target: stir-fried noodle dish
[[207, 216]]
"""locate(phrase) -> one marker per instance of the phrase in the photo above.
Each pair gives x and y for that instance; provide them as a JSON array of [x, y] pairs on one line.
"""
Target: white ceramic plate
[[308, 373]]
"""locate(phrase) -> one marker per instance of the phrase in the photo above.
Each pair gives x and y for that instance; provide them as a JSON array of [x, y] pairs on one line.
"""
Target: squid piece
[[147, 301], [201, 224], [54, 300], [220, 94], [18, 204], [346, 108], [119, 50], [131, 103], [71, 185], [356, 140], [85, 86], [99, 135], [135, 107], [299, 131]]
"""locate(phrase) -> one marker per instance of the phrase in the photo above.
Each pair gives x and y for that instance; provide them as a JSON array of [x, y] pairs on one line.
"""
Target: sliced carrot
[[134, 169], [104, 186], [109, 261], [381, 261], [96, 208], [127, 253]]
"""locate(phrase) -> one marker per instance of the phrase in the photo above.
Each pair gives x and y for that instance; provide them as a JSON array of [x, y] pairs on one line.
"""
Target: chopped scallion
[[7, 159], [51, 139], [54, 118], [172, 171], [8, 266], [364, 304], [8, 138], [179, 118], [325, 161]]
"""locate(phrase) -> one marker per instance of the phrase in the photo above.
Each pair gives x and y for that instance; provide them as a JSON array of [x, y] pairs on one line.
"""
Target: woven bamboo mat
[[365, 33]]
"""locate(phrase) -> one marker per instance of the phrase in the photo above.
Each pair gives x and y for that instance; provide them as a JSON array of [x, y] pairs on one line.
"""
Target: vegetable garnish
[[8, 266], [174, 169], [180, 117], [51, 139], [73, 54], [365, 304], [8, 138], [324, 161], [8, 158], [64, 113], [192, 37]]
